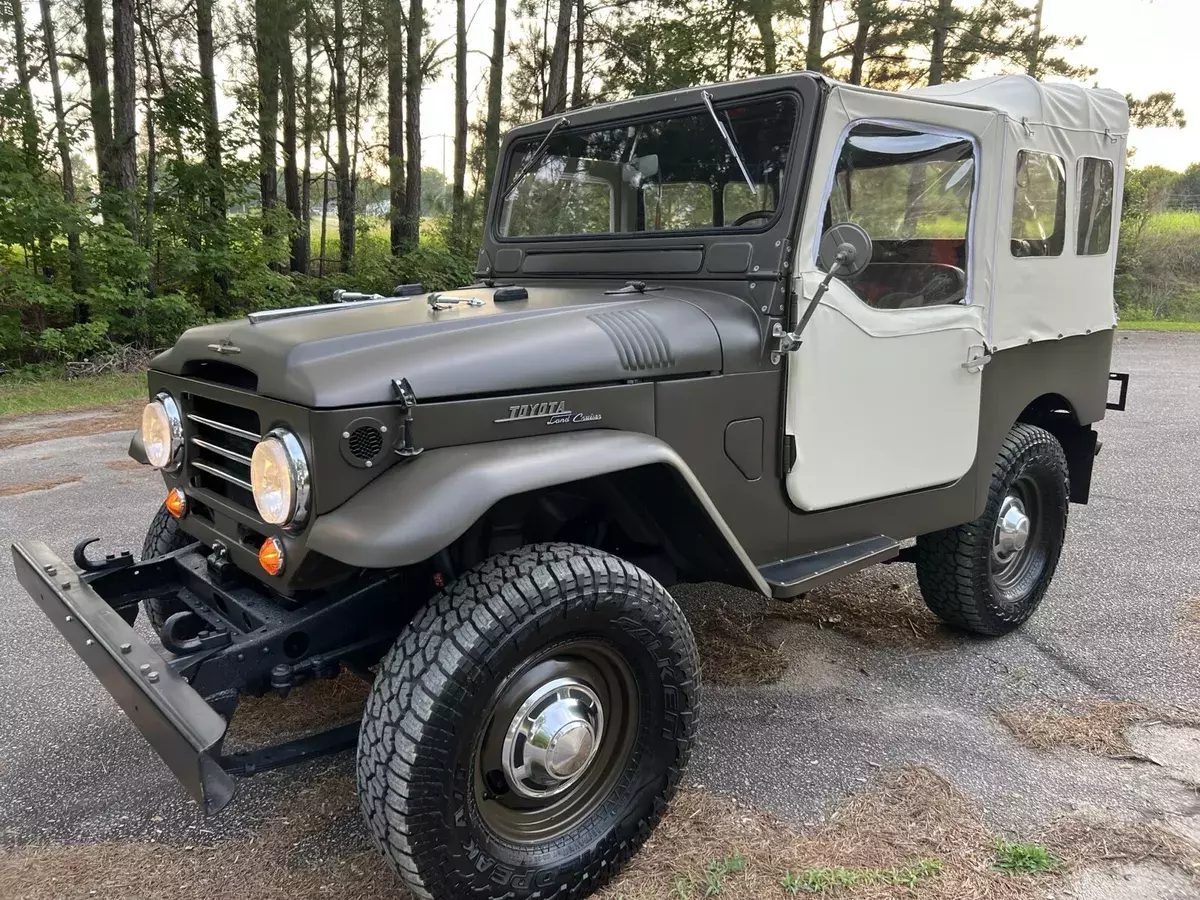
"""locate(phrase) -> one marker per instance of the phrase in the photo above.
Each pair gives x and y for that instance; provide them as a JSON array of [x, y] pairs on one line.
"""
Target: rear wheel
[[527, 729], [165, 536], [988, 576]]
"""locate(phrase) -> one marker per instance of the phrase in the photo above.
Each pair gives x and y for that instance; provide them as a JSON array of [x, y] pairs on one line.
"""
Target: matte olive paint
[[671, 371]]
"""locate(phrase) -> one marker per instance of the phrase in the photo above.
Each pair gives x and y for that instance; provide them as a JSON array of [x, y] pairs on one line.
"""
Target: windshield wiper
[[729, 141], [535, 157]]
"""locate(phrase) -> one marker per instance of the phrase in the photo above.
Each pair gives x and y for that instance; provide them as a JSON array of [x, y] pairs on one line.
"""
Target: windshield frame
[[790, 189]]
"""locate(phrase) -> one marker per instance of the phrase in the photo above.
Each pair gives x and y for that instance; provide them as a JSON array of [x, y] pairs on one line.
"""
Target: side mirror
[[845, 249], [640, 170]]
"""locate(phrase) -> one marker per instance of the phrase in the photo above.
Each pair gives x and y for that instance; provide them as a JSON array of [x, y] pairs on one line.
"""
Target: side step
[[790, 577]]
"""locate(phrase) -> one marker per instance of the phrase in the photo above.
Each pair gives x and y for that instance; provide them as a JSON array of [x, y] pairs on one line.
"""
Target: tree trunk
[[937, 47], [491, 126], [816, 34], [413, 82], [401, 234], [212, 123], [341, 116], [1034, 54], [267, 65], [458, 191], [29, 128], [144, 13], [577, 75], [303, 244], [291, 164], [125, 111], [556, 87], [64, 152], [764, 14], [858, 55], [96, 50]]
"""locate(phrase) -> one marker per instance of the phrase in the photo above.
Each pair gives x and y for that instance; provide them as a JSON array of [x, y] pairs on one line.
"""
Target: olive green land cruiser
[[762, 333]]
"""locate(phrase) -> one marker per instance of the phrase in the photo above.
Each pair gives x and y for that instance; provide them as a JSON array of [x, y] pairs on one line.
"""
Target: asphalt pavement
[[1112, 626]]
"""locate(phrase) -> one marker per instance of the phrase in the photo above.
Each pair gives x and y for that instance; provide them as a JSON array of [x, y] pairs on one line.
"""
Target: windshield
[[671, 174]]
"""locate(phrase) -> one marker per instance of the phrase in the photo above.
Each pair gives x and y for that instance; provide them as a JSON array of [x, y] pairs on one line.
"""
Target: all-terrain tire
[[955, 567], [165, 536], [432, 714]]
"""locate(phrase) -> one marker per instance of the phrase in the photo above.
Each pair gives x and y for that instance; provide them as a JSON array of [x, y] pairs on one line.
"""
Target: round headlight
[[279, 479], [162, 432]]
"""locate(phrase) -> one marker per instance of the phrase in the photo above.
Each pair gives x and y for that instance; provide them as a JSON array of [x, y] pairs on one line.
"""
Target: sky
[[1137, 46]]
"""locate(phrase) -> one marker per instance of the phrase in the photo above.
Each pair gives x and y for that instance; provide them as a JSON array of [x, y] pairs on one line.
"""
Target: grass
[[832, 878], [1024, 859], [61, 394], [1158, 325]]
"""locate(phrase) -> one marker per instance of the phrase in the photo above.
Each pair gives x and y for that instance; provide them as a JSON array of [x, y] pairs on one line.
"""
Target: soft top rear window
[[668, 174]]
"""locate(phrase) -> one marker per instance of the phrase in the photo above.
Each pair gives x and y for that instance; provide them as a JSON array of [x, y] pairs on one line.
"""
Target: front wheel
[[988, 576], [527, 729]]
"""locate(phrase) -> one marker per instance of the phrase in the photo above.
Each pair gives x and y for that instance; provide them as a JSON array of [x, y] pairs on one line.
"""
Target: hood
[[348, 355]]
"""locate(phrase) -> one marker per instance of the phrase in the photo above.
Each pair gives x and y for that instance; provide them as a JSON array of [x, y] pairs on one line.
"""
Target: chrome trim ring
[[175, 421], [552, 739], [299, 473]]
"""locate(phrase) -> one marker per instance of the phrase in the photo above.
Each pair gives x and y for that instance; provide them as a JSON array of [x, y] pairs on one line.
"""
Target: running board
[[789, 578]]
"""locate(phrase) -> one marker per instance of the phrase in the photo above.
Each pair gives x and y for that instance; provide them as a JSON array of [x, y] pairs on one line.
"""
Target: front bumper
[[181, 727]]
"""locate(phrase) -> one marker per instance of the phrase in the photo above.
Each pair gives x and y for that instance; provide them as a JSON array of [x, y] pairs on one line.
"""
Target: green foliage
[[711, 882], [1024, 859], [822, 880]]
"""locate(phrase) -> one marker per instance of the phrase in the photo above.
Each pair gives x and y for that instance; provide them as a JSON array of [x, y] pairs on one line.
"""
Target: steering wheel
[[751, 216]]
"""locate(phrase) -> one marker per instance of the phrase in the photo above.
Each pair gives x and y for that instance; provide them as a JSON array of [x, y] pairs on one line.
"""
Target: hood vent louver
[[641, 345]]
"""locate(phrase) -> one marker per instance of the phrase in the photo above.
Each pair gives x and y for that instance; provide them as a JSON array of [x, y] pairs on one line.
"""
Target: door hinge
[[789, 453], [978, 356]]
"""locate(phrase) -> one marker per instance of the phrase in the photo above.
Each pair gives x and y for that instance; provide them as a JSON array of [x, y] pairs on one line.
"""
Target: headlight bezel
[[170, 410], [299, 476]]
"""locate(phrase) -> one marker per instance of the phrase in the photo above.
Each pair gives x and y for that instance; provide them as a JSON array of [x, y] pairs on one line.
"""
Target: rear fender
[[414, 510]]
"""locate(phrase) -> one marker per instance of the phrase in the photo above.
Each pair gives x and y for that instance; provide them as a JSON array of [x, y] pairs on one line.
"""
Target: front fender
[[416, 509]]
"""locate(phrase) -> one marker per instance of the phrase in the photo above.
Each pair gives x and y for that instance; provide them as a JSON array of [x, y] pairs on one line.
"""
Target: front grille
[[222, 439]]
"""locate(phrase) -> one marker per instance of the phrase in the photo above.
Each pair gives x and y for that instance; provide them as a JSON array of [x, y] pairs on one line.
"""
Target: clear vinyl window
[[912, 192], [1039, 224], [1097, 182]]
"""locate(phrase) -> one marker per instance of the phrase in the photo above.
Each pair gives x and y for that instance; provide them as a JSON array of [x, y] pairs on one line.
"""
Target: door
[[882, 398]]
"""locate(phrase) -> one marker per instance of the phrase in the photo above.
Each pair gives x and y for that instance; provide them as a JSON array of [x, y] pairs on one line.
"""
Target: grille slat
[[228, 429], [221, 473], [222, 451]]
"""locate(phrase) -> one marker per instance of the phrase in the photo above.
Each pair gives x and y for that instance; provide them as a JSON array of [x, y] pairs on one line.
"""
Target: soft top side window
[[1096, 186], [1039, 223], [912, 191]]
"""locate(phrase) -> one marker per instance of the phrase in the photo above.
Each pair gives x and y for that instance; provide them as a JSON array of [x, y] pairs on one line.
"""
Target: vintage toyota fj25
[[761, 333]]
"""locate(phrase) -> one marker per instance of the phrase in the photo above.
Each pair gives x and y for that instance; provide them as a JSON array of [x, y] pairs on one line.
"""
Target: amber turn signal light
[[270, 556], [176, 503]]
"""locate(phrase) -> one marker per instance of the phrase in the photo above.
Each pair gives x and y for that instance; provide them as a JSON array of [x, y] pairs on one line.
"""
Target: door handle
[[977, 358]]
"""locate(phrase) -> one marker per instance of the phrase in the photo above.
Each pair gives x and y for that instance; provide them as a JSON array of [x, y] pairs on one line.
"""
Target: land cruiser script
[[555, 412]]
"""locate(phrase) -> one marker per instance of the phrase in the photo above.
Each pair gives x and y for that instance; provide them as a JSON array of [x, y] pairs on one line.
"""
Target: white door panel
[[879, 402]]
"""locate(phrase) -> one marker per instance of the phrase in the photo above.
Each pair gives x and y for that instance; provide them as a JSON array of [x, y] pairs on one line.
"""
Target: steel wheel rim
[[1013, 564], [585, 672]]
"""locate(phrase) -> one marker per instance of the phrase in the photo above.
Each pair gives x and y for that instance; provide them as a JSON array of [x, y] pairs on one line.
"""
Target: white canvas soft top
[[1016, 300], [1069, 106]]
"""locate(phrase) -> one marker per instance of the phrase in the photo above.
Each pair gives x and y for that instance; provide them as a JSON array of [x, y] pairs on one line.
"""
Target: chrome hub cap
[[1012, 531], [552, 738]]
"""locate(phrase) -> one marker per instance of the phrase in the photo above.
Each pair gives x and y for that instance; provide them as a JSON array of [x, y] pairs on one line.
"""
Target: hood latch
[[406, 400]]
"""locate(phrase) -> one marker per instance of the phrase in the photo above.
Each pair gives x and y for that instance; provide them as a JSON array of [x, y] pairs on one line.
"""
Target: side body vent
[[364, 442], [640, 343]]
